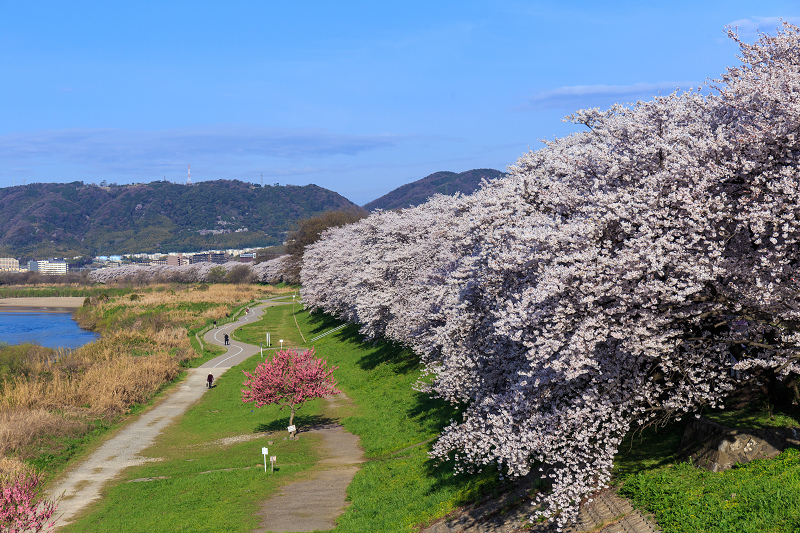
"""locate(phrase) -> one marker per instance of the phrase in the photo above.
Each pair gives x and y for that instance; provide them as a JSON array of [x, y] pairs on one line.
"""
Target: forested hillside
[[74, 219]]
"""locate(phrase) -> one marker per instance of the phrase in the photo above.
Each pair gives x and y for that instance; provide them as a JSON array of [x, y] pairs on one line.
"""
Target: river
[[53, 330]]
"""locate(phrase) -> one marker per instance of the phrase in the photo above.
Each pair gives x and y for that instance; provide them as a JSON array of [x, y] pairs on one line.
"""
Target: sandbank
[[43, 303]]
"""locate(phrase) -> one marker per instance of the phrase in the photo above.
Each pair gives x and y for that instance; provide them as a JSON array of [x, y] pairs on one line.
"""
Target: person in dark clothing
[[226, 339], [210, 380]]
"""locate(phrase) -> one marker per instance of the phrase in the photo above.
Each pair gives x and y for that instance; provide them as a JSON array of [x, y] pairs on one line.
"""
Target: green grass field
[[759, 496], [195, 476]]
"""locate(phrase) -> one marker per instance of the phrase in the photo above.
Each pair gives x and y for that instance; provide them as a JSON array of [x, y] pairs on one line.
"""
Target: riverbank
[[51, 304]]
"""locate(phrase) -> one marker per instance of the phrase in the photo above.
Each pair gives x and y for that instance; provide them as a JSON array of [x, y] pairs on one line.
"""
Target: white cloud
[[584, 96], [125, 149], [749, 28]]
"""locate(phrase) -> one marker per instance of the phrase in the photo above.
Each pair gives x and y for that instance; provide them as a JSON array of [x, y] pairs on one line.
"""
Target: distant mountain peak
[[443, 182]]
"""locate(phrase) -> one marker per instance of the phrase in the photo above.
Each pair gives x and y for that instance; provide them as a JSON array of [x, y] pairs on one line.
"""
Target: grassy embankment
[[207, 469], [51, 289], [762, 496], [53, 404]]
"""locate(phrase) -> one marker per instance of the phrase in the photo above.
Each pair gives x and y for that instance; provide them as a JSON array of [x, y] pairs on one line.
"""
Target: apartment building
[[9, 263], [51, 267]]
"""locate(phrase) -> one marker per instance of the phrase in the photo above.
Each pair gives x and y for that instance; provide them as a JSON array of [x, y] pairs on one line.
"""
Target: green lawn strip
[[63, 291], [400, 487], [759, 496], [192, 488], [278, 321], [762, 496]]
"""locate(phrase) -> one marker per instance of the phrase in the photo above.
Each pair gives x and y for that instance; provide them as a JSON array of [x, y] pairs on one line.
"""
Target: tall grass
[[47, 396]]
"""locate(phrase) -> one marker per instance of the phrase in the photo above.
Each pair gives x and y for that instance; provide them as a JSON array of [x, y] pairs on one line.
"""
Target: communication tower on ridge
[[189, 176]]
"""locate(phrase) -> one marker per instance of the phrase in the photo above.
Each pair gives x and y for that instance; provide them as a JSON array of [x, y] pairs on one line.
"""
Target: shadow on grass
[[403, 360], [648, 449], [302, 422], [320, 323], [432, 413]]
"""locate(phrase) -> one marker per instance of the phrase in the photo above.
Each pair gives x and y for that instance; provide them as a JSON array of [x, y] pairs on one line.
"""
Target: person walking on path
[[215, 324], [227, 339], [209, 380]]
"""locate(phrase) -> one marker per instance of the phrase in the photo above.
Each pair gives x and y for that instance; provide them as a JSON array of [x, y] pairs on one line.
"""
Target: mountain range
[[71, 219]]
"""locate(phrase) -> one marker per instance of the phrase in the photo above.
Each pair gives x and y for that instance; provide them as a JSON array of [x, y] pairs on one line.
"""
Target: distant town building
[[178, 260], [50, 267], [209, 257], [247, 258], [9, 263]]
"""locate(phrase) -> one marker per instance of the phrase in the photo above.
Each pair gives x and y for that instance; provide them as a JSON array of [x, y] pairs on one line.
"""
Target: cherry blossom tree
[[22, 509], [621, 276], [290, 379]]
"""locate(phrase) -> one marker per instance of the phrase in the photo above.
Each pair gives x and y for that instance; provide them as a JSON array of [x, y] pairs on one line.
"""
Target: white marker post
[[268, 344], [281, 341], [292, 431], [265, 451], [262, 349], [272, 460]]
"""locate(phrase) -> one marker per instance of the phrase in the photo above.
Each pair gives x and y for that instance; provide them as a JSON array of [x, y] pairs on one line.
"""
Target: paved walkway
[[83, 483], [315, 503]]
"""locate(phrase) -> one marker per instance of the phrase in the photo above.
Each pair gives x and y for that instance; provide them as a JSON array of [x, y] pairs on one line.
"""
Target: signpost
[[272, 460], [265, 451], [268, 344], [292, 431]]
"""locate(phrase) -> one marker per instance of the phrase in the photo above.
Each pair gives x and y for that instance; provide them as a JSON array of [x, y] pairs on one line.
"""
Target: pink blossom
[[22, 510], [290, 379]]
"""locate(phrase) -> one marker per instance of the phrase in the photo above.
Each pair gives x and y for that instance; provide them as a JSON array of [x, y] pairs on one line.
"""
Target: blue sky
[[357, 97]]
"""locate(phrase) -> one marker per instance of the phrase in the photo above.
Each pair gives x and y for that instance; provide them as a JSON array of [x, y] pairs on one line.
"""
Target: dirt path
[[315, 503], [82, 485]]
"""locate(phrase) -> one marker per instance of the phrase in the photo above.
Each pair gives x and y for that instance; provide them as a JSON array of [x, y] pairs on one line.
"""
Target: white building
[[9, 263], [53, 267]]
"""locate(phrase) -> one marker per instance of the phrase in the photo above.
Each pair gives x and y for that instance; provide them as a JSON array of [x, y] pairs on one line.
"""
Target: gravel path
[[82, 484], [313, 504]]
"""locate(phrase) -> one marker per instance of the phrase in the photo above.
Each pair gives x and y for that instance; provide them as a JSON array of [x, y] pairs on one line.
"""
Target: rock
[[715, 447]]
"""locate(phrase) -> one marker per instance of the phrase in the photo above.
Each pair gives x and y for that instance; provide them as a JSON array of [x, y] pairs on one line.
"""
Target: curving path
[[82, 484]]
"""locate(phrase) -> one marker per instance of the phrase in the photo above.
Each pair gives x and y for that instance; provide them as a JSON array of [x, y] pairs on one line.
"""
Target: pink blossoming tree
[[22, 509], [290, 379]]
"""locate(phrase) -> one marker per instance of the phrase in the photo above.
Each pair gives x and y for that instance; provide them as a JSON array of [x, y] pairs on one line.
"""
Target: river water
[[53, 330]]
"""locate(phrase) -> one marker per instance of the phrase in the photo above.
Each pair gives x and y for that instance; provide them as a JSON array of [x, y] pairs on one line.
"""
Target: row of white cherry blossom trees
[[616, 277], [272, 271]]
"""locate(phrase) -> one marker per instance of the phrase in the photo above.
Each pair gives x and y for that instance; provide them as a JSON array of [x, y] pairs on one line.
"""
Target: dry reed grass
[[20, 428], [127, 366], [10, 466]]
